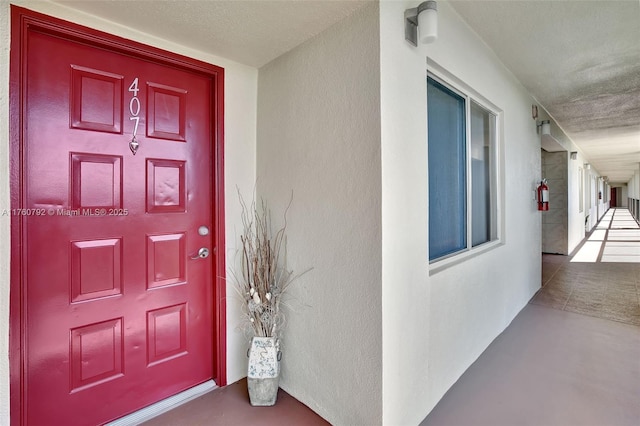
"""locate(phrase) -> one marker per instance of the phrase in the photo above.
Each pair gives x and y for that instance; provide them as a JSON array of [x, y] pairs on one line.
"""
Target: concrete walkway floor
[[550, 368]]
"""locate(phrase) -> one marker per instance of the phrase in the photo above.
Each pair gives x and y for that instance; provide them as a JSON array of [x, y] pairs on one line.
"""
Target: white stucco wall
[[576, 217], [240, 126], [319, 136], [633, 186], [435, 326], [405, 284], [596, 207], [623, 196]]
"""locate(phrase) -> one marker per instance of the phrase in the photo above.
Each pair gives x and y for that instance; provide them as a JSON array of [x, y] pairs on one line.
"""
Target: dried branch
[[265, 277]]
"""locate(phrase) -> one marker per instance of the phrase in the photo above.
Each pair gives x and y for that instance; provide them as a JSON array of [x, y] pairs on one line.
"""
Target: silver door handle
[[203, 253]]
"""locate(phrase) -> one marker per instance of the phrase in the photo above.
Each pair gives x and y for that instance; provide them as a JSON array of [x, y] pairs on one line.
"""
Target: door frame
[[23, 21]]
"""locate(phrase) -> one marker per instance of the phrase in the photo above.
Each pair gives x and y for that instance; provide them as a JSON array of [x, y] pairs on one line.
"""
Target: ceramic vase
[[263, 371]]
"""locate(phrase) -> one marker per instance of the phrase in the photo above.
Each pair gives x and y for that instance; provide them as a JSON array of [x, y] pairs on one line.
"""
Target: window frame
[[443, 77]]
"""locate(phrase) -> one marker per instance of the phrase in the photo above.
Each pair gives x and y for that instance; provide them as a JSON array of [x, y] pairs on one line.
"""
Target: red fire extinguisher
[[543, 196]]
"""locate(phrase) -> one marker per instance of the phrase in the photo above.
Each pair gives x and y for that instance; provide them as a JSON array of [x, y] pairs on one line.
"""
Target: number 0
[[134, 106]]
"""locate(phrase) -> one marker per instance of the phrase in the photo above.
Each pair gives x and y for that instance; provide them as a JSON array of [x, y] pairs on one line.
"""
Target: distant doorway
[[614, 201]]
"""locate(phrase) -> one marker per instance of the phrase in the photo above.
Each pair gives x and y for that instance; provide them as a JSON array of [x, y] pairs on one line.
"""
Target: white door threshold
[[163, 406]]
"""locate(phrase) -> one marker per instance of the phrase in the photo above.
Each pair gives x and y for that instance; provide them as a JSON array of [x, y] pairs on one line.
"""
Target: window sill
[[446, 263]]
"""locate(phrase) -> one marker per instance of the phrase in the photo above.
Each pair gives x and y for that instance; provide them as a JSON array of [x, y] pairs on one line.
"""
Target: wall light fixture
[[423, 20], [545, 126], [574, 155]]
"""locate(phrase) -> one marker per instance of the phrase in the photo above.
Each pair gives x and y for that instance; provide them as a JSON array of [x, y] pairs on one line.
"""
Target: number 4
[[134, 87]]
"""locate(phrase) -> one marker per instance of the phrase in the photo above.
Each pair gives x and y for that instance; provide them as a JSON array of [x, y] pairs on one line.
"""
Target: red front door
[[117, 306]]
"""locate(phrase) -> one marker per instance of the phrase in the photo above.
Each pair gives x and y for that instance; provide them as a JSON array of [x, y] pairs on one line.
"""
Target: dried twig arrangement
[[265, 277]]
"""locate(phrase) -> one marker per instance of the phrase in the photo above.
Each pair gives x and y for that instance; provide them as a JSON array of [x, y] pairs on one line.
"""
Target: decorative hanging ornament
[[134, 145]]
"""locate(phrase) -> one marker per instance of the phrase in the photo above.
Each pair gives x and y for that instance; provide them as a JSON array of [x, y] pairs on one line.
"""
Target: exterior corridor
[[571, 357], [601, 279]]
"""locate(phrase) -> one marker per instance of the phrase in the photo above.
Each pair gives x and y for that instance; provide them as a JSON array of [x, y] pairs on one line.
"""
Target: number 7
[[135, 127]]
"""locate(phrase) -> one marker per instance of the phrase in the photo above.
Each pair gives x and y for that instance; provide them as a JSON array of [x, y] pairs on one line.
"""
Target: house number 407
[[134, 111], [134, 105]]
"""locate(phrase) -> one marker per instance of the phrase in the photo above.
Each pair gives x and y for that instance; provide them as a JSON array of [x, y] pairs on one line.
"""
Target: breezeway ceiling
[[579, 58], [581, 61], [249, 32]]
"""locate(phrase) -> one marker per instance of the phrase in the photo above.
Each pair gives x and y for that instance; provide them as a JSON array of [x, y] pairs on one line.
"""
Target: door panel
[[118, 315]]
